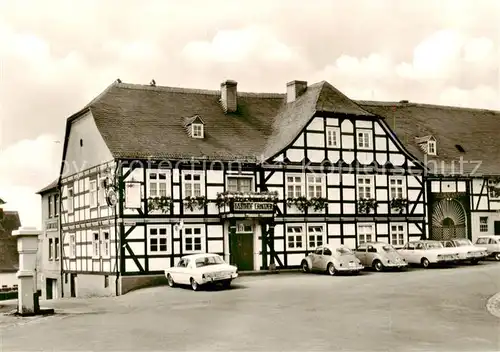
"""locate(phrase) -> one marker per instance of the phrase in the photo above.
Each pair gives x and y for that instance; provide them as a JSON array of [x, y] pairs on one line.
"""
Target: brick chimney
[[295, 89], [229, 96]]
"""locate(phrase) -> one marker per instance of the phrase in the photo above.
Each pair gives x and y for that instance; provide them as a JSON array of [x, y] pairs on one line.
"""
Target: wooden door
[[48, 289], [497, 228], [241, 247], [73, 285]]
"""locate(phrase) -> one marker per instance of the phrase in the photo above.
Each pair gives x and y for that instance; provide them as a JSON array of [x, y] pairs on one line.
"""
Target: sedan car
[[333, 259], [492, 244], [467, 250], [427, 252], [201, 269], [380, 256]]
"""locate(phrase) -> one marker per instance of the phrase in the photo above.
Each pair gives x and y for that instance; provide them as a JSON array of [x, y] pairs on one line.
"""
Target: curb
[[493, 305]]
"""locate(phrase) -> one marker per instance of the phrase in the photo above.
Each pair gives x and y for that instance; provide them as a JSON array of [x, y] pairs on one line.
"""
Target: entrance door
[[241, 247], [497, 228], [72, 285], [48, 289]]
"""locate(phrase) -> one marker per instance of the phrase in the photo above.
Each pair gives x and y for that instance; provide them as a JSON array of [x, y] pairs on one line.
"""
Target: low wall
[[91, 285], [130, 283]]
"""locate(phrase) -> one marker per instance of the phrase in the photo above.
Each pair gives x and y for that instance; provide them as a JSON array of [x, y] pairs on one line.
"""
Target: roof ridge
[[425, 105], [195, 90]]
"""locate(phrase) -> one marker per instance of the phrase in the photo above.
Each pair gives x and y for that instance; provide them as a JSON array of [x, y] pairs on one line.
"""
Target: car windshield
[[209, 261], [344, 250], [431, 245], [388, 248], [463, 242]]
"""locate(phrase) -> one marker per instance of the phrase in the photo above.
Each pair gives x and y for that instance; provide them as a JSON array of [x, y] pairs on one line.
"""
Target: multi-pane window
[[197, 130], [332, 136], [315, 236], [314, 186], [239, 184], [396, 188], [95, 245], [295, 235], [431, 147], [56, 248], [192, 185], [158, 183], [193, 238], [105, 244], [365, 234], [56, 204], [365, 187], [51, 206], [294, 186], [483, 224], [158, 239], [70, 200], [51, 252], [364, 139], [72, 245], [397, 234], [93, 193]]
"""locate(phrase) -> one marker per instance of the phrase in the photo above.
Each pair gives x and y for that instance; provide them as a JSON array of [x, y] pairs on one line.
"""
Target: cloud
[[478, 49], [480, 97]]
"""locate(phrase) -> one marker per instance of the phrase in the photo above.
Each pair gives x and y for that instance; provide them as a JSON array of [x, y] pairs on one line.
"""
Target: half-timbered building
[[152, 173]]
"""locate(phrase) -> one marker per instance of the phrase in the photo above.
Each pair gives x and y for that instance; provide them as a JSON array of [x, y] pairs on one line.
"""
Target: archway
[[448, 220]]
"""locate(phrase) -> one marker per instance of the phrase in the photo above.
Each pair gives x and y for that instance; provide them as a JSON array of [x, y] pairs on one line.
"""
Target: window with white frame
[[365, 233], [315, 186], [492, 183], [50, 206], [239, 184], [192, 185], [158, 183], [51, 250], [295, 237], [483, 224], [364, 139], [95, 245], [56, 248], [72, 245], [396, 187], [397, 234], [70, 200], [93, 193], [294, 186], [193, 239], [105, 244], [431, 147], [365, 187], [197, 130], [158, 240], [56, 204], [102, 195], [315, 236], [332, 137]]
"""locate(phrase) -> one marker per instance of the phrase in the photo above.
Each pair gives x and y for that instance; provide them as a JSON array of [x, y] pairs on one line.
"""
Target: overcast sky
[[57, 55]]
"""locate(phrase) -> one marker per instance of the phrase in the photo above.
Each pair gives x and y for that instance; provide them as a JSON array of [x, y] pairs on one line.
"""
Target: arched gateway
[[448, 220]]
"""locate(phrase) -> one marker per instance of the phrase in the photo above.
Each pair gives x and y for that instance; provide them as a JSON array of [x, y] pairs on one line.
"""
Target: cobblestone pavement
[[439, 309]]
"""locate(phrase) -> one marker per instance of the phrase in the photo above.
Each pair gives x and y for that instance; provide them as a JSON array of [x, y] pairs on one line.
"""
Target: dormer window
[[195, 126], [427, 144], [197, 130]]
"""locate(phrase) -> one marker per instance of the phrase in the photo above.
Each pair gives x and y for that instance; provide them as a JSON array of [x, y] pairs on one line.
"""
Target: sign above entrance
[[253, 206]]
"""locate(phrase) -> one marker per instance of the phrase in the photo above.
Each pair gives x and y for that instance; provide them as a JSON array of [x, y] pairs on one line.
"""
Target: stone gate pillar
[[27, 247]]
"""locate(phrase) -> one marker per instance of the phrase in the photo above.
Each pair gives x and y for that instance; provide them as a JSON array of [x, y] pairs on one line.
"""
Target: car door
[[371, 254], [326, 257], [316, 258], [361, 254], [494, 245], [182, 272], [409, 252]]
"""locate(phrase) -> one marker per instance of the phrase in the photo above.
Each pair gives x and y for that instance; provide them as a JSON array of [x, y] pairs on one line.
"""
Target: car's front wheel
[[497, 256], [425, 262], [304, 266], [331, 269], [170, 281], [377, 265], [194, 285]]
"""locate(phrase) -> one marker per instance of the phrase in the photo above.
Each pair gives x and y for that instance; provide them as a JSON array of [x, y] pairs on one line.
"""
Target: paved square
[[439, 309]]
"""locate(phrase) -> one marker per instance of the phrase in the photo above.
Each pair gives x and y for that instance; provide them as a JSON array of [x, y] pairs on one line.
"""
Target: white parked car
[[467, 250], [492, 244], [332, 259], [201, 269], [427, 252]]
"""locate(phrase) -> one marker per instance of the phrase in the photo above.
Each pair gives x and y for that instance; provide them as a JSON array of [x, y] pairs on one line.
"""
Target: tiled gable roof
[[475, 130], [49, 187]]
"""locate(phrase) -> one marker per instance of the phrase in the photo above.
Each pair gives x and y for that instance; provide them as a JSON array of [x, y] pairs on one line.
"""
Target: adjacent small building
[[151, 173], [9, 258], [49, 253]]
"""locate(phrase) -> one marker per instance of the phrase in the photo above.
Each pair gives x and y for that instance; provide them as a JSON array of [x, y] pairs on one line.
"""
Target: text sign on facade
[[253, 206]]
